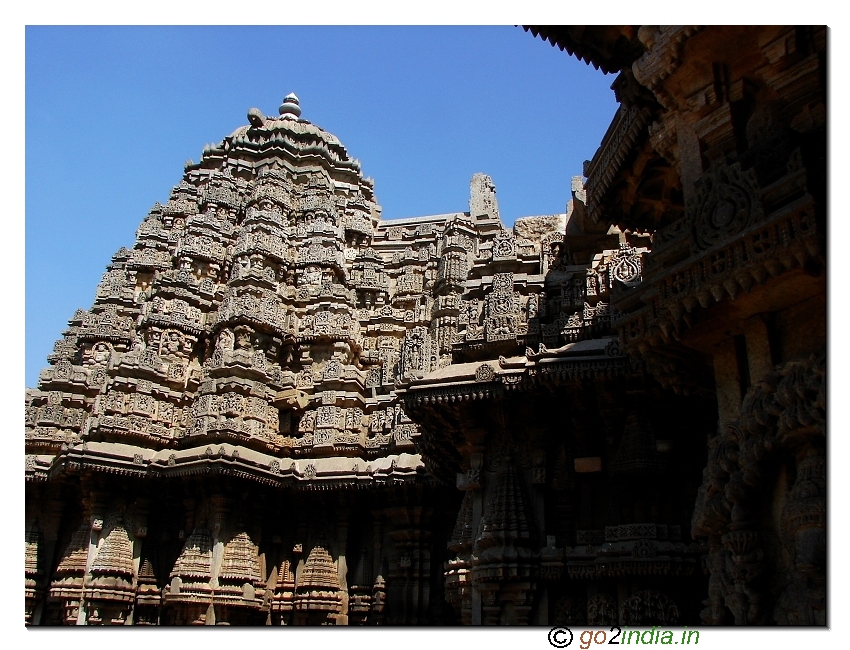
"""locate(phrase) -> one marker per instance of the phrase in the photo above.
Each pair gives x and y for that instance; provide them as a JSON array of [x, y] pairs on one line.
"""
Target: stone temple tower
[[248, 341]]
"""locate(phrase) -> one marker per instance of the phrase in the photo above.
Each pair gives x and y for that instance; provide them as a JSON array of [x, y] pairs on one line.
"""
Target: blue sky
[[112, 114]]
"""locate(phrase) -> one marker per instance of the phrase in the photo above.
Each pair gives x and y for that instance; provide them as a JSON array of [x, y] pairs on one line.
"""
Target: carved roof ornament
[[146, 572], [31, 560], [195, 560], [74, 558], [507, 518], [637, 452], [290, 108], [240, 562], [485, 372], [626, 266], [482, 197], [256, 117], [115, 556], [463, 534], [319, 571]]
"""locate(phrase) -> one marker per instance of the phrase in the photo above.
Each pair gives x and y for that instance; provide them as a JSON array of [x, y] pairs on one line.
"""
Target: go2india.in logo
[[561, 637]]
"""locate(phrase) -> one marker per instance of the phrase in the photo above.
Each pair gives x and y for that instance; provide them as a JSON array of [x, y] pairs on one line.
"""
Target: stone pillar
[[727, 382], [690, 159], [758, 348], [476, 462], [44, 512], [538, 485], [95, 505], [342, 565], [220, 506], [137, 536]]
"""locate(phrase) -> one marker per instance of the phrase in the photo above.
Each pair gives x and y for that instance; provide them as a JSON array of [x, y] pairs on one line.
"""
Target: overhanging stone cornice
[[235, 460]]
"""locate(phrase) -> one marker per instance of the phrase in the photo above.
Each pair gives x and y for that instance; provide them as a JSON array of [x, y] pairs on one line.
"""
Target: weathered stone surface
[[536, 228]]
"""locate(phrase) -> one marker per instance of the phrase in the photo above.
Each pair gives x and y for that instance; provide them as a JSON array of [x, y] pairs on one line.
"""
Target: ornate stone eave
[[626, 129], [606, 47], [488, 380], [226, 459]]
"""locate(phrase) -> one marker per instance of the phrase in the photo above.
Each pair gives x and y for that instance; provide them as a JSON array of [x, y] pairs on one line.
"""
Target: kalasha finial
[[290, 109]]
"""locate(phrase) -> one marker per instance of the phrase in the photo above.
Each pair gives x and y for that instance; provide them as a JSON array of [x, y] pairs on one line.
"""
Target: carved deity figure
[[172, 345], [98, 355], [243, 339], [225, 340]]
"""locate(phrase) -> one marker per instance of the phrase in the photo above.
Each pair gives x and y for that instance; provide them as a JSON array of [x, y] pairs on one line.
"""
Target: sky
[[113, 113]]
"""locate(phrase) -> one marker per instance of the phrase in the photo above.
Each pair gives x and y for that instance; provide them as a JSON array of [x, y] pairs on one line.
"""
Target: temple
[[282, 409]]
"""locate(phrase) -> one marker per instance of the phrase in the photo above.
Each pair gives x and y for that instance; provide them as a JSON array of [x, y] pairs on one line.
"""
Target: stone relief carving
[[727, 202], [784, 411]]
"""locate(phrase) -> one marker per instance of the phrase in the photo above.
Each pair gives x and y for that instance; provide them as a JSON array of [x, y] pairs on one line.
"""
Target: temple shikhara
[[282, 409]]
